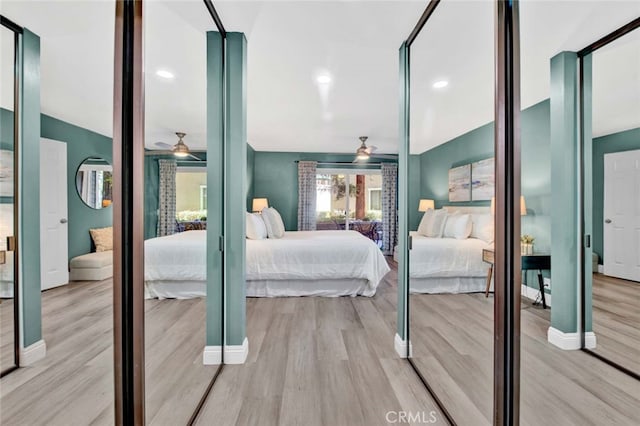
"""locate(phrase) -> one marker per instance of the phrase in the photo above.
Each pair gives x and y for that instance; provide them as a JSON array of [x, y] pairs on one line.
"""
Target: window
[[375, 199], [191, 194]]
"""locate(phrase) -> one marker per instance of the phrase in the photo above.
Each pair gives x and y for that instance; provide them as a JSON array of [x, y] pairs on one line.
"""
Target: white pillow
[[432, 223], [273, 222], [458, 226], [482, 227], [256, 229]]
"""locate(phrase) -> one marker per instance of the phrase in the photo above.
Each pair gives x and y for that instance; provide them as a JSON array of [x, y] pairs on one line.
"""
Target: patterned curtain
[[307, 195], [167, 198], [389, 204]]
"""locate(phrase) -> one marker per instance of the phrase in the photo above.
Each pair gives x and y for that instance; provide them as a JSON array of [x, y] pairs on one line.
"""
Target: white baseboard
[[401, 347], [601, 269], [212, 355], [570, 341], [33, 353], [532, 293], [236, 354]]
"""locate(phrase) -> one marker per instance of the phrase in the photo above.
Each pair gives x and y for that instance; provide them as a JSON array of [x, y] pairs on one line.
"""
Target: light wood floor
[[73, 385], [6, 335], [616, 320], [452, 337], [319, 361]]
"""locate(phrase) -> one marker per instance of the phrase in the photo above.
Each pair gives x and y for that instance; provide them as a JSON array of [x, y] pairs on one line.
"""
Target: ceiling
[[290, 44]]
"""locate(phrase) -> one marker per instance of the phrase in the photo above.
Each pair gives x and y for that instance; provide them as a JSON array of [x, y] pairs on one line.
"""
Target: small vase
[[526, 249]]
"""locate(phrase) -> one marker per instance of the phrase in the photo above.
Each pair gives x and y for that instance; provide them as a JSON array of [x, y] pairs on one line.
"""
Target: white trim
[[33, 353], [236, 354], [532, 293], [212, 355], [590, 340], [401, 347], [601, 269], [565, 341]]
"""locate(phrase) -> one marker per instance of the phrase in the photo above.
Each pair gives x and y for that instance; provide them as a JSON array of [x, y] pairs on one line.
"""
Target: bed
[[448, 265], [302, 263]]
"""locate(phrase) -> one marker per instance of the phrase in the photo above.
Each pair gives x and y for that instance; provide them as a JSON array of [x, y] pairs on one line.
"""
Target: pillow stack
[[440, 224], [267, 224]]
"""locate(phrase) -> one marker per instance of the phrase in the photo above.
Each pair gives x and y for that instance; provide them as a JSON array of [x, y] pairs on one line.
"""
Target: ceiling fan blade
[[163, 145], [387, 156], [158, 152], [195, 157], [372, 149]]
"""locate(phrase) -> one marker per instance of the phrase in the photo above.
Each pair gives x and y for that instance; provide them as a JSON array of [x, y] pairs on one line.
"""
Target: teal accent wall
[[587, 186], [564, 192], [478, 144], [251, 156], [616, 142], [215, 187], [81, 144], [29, 239], [275, 177], [235, 187], [415, 189]]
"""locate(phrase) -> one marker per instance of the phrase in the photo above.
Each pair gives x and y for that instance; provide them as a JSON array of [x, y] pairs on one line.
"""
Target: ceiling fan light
[[180, 149]]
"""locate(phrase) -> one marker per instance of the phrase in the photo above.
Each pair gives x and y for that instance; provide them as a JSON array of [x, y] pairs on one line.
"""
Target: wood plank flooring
[[7, 357], [616, 320], [73, 385], [452, 337], [319, 361]]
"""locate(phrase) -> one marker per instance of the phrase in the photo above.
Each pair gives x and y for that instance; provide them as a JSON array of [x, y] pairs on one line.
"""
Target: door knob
[[63, 220], [607, 221]]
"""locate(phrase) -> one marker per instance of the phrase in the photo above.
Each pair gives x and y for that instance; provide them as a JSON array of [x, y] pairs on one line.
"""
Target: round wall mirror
[[94, 182]]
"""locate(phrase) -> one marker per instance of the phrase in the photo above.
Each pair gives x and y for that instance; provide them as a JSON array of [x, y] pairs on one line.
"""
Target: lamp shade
[[523, 206], [259, 204], [426, 205]]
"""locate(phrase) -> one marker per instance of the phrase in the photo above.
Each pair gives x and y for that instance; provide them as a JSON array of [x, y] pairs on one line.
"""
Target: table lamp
[[426, 205], [259, 204]]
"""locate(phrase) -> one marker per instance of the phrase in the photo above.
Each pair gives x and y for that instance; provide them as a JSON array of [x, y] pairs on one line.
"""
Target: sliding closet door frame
[[17, 34], [128, 214], [507, 277], [586, 183]]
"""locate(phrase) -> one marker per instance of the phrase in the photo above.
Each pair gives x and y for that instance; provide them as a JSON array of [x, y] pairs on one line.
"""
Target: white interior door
[[622, 215], [53, 214]]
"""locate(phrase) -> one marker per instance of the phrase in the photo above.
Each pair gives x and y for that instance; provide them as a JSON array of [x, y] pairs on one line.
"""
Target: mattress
[[447, 265], [326, 263]]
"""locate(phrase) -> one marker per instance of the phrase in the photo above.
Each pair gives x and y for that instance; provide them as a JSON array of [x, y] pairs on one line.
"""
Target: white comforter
[[446, 257], [302, 255]]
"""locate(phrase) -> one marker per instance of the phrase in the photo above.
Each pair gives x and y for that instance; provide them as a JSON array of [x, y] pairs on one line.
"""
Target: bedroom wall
[[616, 142], [478, 144], [81, 143], [275, 177]]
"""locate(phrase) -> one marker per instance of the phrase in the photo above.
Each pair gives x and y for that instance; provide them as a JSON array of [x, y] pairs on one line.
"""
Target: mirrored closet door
[[8, 225], [451, 319], [182, 312]]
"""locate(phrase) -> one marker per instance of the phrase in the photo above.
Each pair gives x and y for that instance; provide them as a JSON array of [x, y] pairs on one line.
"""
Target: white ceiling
[[290, 43]]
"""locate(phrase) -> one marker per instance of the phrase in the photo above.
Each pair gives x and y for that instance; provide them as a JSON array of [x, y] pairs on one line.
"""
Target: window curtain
[[307, 195], [389, 211], [167, 198]]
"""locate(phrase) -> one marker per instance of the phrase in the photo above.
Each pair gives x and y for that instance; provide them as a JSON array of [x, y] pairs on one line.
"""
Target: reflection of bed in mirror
[[302, 263], [449, 265]]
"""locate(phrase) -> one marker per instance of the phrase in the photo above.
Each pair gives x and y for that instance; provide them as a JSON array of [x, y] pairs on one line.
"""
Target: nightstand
[[537, 262]]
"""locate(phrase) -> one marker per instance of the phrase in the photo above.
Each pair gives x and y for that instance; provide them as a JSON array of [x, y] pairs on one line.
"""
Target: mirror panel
[[452, 146], [94, 183]]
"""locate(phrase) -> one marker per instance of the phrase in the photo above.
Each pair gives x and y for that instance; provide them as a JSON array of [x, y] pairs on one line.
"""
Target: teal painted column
[[403, 204], [235, 188], [29, 57], [564, 196], [215, 186], [587, 189]]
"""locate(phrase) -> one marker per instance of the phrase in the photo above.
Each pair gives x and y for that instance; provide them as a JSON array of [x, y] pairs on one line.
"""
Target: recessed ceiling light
[[440, 84], [323, 79], [165, 74]]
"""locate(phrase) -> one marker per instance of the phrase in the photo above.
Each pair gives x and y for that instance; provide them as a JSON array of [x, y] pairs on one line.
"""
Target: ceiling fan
[[180, 150], [364, 152]]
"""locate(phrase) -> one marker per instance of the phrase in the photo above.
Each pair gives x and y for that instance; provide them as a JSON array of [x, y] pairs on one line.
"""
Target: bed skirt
[[452, 285], [264, 288]]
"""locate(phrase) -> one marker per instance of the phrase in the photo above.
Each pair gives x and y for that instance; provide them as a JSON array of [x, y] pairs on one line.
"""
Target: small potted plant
[[526, 244]]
